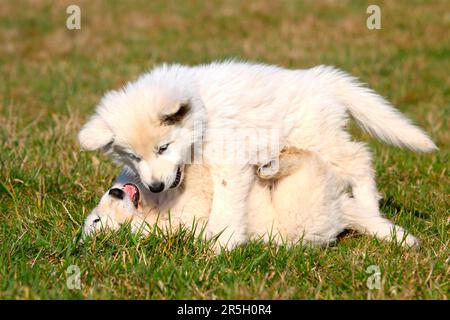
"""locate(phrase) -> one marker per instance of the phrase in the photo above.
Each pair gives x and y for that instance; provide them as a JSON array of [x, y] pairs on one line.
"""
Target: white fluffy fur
[[309, 108]]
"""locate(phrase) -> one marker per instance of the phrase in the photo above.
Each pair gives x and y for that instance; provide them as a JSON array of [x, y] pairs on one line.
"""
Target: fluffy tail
[[373, 113]]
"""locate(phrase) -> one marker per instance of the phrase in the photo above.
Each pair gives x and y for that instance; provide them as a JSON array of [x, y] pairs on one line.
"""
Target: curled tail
[[372, 112]]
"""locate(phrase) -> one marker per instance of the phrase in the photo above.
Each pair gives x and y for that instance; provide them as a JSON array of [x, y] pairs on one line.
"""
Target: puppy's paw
[[411, 242], [403, 238], [269, 170]]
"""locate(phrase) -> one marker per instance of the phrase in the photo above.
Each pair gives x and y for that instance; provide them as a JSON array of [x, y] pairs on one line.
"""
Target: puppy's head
[[117, 206], [150, 128]]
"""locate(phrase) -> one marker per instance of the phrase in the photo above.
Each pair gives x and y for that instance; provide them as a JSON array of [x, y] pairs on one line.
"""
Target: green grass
[[51, 79]]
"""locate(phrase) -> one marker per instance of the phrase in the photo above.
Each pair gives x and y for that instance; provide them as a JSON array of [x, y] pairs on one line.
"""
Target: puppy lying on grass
[[303, 200]]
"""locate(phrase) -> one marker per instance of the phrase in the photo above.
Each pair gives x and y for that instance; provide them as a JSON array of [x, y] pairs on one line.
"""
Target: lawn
[[51, 78]]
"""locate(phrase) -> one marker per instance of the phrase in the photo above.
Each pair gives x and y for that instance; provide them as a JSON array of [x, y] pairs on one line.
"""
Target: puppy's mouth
[[133, 193], [177, 178]]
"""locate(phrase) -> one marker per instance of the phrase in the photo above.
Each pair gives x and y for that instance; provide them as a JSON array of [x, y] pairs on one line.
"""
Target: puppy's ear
[[176, 115], [95, 134]]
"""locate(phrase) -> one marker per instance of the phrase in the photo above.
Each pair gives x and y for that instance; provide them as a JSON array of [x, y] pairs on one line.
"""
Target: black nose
[[116, 193], [156, 187]]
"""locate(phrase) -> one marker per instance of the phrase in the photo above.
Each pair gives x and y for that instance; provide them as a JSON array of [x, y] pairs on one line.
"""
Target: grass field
[[51, 78]]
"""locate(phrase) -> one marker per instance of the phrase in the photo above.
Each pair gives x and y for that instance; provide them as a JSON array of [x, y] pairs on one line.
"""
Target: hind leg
[[365, 215], [358, 218]]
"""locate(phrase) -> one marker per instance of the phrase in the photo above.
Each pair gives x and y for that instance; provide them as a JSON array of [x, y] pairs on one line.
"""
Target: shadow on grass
[[391, 205]]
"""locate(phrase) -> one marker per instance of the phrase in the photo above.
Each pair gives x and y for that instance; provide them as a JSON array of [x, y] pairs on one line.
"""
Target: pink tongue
[[130, 190]]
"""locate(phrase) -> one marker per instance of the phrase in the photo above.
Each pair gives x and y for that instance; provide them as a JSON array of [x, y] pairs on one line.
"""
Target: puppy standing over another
[[304, 200], [152, 123]]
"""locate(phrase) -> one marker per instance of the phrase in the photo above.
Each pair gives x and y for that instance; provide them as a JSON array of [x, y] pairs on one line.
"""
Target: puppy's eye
[[134, 157], [163, 148], [97, 220]]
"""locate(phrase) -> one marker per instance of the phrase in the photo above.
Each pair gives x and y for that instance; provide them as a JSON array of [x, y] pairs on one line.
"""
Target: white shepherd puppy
[[152, 123]]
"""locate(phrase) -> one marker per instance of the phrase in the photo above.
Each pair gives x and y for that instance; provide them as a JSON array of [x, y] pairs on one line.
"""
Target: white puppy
[[152, 124], [304, 200]]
